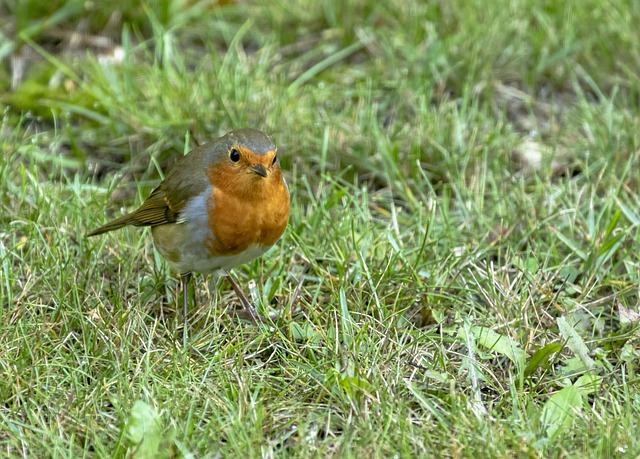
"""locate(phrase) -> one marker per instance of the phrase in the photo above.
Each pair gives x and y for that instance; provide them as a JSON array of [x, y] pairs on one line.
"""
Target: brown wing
[[156, 210], [184, 181]]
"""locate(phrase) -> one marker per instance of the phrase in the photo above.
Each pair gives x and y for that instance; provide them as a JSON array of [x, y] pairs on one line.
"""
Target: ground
[[464, 230]]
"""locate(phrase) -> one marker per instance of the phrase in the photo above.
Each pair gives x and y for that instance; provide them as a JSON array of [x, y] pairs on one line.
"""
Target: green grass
[[458, 299]]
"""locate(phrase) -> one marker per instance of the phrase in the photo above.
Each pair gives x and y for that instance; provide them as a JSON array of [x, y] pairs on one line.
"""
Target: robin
[[223, 204]]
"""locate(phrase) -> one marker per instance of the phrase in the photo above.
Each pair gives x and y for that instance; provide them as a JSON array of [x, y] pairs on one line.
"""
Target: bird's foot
[[249, 311]]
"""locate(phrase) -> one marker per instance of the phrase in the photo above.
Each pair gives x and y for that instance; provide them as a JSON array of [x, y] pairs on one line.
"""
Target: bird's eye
[[234, 155], [275, 160]]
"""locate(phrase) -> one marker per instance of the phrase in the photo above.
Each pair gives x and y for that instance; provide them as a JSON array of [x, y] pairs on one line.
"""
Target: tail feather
[[113, 225]]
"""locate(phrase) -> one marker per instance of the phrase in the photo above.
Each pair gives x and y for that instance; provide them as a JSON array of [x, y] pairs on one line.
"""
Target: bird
[[223, 204]]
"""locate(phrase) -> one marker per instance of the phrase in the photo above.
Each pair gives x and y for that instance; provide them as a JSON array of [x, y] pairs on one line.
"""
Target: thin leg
[[246, 304], [293, 307], [185, 278], [296, 297]]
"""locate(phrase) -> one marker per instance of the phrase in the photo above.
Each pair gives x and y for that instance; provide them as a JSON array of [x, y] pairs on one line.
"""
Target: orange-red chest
[[241, 218]]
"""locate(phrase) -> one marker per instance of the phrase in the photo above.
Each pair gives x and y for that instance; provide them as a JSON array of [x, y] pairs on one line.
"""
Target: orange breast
[[242, 214]]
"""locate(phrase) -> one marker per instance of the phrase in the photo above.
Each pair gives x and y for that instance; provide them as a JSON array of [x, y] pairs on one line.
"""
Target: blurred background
[[124, 79]]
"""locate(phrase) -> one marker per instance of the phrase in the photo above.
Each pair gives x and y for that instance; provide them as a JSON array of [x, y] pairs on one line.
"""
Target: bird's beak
[[260, 170]]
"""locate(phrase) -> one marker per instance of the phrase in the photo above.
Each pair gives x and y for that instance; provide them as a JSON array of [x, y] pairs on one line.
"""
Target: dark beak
[[260, 170]]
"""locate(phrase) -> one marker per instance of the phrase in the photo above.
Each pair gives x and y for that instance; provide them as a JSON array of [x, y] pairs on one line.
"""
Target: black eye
[[275, 160], [234, 155]]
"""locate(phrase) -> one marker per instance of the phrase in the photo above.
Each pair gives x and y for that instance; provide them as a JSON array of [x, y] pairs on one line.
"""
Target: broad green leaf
[[528, 265], [144, 431], [560, 411], [540, 358], [575, 342], [500, 343], [588, 383]]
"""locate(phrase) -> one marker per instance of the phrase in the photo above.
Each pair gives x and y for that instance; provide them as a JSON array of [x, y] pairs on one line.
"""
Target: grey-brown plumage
[[187, 178]]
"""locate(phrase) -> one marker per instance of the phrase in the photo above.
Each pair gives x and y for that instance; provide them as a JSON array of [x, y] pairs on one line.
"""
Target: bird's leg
[[296, 296], [185, 278], [293, 306], [250, 311], [246, 304]]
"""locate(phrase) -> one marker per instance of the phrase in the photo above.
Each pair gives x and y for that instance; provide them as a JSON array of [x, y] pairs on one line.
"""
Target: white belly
[[202, 262]]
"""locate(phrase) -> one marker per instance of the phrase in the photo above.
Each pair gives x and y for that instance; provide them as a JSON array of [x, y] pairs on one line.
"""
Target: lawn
[[465, 186]]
